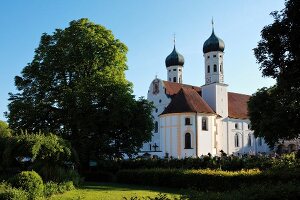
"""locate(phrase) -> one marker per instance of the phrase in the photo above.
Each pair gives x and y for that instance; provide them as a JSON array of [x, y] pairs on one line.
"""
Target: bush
[[228, 163], [13, 194], [30, 182], [52, 188], [216, 180], [290, 190], [66, 186], [59, 175], [9, 193]]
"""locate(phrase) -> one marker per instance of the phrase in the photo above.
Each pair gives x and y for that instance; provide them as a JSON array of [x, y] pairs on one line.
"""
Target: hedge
[[216, 180], [212, 180], [227, 163]]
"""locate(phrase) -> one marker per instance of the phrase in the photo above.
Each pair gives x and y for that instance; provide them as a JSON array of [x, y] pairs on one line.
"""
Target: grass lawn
[[113, 191]]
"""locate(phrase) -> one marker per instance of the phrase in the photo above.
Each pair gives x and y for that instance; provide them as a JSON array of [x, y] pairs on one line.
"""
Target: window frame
[[204, 124], [187, 140], [249, 141], [187, 121], [156, 127], [236, 140]]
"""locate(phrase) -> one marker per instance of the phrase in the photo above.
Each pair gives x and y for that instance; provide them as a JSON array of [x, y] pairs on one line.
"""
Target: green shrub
[[50, 188], [201, 179], [228, 163], [13, 194], [270, 191], [66, 186], [30, 182], [60, 175], [9, 193]]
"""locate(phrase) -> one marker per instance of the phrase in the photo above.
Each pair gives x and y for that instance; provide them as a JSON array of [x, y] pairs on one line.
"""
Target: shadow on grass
[[126, 187]]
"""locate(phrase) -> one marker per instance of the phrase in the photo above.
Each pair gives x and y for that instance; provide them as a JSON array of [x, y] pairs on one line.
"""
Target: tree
[[76, 87], [4, 129], [275, 111]]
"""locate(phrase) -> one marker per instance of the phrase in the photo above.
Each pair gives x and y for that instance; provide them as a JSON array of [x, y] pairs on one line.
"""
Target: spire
[[212, 24], [174, 39]]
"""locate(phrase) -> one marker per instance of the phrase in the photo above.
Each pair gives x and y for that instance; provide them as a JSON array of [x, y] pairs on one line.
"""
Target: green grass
[[113, 191]]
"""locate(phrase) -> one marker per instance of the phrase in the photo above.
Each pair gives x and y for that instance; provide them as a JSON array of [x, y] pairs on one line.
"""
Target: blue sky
[[147, 28]]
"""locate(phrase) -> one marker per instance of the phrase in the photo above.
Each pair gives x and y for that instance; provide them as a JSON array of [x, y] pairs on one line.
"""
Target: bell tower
[[213, 52], [174, 63], [214, 92]]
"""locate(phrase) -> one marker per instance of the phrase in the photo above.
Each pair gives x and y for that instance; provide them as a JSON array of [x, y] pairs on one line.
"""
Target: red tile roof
[[173, 88], [237, 105], [187, 98]]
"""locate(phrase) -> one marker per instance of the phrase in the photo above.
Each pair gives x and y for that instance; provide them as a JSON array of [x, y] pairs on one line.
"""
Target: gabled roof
[[173, 88], [237, 105], [188, 100]]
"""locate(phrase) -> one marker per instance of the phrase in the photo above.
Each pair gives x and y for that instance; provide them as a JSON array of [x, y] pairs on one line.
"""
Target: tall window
[[236, 140], [208, 68], [236, 126], [259, 141], [249, 140], [156, 127], [174, 79], [215, 68], [204, 123], [221, 68], [187, 141], [187, 121]]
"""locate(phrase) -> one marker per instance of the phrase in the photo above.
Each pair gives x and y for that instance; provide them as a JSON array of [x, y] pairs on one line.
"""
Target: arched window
[[204, 123], [215, 68], [236, 140], [208, 69], [156, 127], [259, 141], [174, 79], [187, 141], [249, 140]]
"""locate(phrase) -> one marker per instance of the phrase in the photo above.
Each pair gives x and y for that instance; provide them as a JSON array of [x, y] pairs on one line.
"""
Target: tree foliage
[[275, 111], [76, 87], [37, 149], [4, 129]]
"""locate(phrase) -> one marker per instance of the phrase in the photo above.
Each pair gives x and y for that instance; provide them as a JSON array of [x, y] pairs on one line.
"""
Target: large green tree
[[76, 87], [275, 111]]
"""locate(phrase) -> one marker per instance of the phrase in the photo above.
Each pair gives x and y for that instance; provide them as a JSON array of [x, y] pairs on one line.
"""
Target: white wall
[[216, 97], [177, 73], [214, 77], [160, 101], [243, 130]]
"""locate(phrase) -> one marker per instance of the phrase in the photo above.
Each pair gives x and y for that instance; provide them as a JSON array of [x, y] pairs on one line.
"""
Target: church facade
[[191, 121]]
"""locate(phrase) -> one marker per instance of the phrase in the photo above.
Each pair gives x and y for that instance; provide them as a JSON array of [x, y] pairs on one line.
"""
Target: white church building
[[191, 121]]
